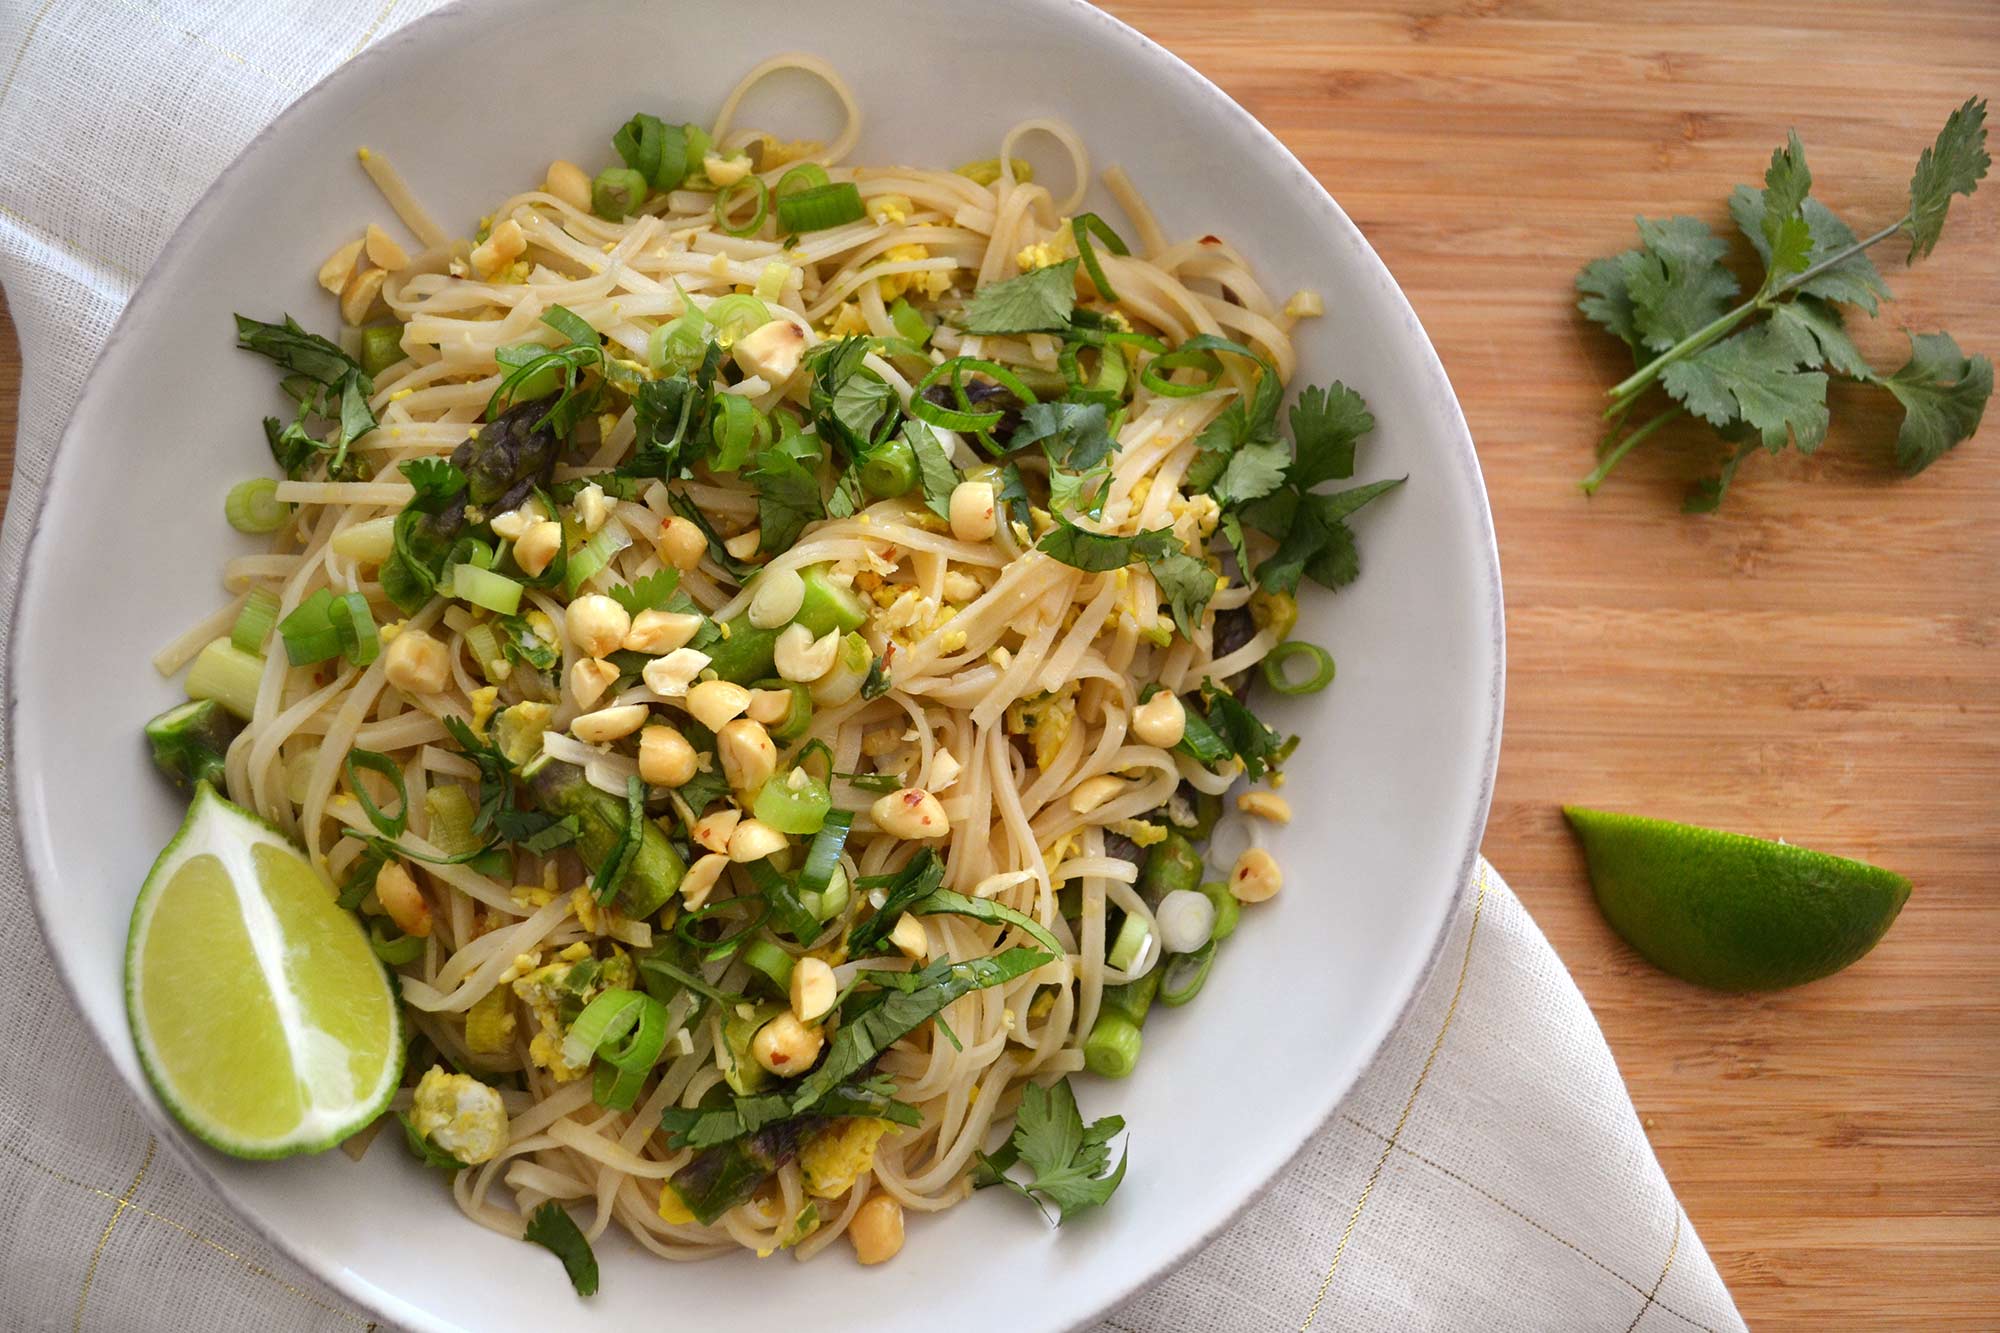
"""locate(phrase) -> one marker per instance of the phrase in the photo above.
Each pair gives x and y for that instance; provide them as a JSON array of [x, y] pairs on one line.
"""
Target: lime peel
[[1733, 912], [259, 1013]]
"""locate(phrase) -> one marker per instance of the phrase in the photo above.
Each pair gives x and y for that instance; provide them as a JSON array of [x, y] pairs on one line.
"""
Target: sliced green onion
[[482, 587], [308, 631], [1154, 374], [354, 626], [623, 1066], [804, 176], [797, 810], [830, 902], [484, 641], [700, 143], [381, 347], [964, 418], [1185, 974], [595, 554], [783, 899], [772, 961], [723, 945], [253, 506], [725, 196], [737, 429], [910, 322], [1279, 658], [1083, 226], [1227, 910], [451, 813], [1130, 944], [889, 469], [820, 207], [389, 826], [797, 718], [657, 151], [225, 673], [735, 315], [680, 343], [606, 1018], [394, 950], [823, 857], [255, 621], [616, 192]]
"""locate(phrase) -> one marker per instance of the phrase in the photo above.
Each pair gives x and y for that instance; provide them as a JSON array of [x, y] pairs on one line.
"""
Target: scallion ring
[[354, 625], [389, 826], [823, 856], [820, 207], [737, 429], [770, 960], [255, 621], [724, 945], [253, 506], [394, 950], [734, 315], [1154, 374], [804, 176], [1280, 679], [606, 1018], [308, 632], [1085, 225], [726, 196]]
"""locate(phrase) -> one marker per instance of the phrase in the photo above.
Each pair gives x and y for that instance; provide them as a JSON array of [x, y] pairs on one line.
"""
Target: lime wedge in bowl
[[1732, 912], [263, 1019]]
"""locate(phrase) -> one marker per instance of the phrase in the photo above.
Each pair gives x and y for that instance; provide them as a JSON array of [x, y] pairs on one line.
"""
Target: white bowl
[[1391, 783]]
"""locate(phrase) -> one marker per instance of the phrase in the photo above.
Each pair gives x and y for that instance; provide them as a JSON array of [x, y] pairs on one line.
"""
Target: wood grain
[[1819, 661]]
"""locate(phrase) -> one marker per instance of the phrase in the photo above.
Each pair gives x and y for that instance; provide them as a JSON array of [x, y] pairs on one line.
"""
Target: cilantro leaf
[[1605, 297], [1096, 552], [1075, 436], [918, 879], [554, 1230], [1188, 584], [1313, 537], [1260, 748], [1080, 492], [1043, 301], [1954, 164], [788, 498], [1854, 280], [1326, 425], [1068, 1159], [1813, 334], [1253, 472], [1753, 375], [1677, 281], [944, 902], [1012, 496], [1943, 393], [651, 593], [324, 381], [935, 475], [1787, 235], [435, 481]]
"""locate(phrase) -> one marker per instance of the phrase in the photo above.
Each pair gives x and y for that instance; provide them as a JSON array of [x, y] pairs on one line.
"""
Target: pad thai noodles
[[768, 648]]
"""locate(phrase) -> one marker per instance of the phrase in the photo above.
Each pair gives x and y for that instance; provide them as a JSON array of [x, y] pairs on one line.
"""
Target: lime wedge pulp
[[1732, 912], [263, 1019]]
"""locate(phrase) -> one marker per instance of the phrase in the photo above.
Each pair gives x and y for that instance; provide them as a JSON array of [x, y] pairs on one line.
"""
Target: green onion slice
[[389, 826], [820, 207], [734, 315], [1154, 374], [1131, 943], [724, 945], [772, 961], [1185, 974], [738, 430], [823, 856], [253, 506], [623, 1066], [794, 810], [792, 914], [397, 949], [354, 626], [725, 200], [1279, 678], [308, 631], [593, 555], [910, 323], [965, 418], [255, 621], [482, 587], [606, 1018], [1083, 226], [805, 176]]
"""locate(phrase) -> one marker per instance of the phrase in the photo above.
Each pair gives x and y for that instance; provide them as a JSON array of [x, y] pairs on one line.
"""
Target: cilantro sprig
[[1067, 1159], [1758, 371]]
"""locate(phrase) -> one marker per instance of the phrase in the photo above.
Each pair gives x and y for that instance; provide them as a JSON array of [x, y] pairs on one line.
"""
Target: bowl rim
[[389, 1306]]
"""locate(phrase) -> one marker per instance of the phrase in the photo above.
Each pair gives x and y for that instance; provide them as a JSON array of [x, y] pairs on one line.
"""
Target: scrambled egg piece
[[556, 994], [1045, 719], [847, 319], [518, 730], [1140, 832], [1040, 255], [672, 1210], [834, 1158], [484, 701], [778, 154], [891, 208], [460, 1115], [931, 283]]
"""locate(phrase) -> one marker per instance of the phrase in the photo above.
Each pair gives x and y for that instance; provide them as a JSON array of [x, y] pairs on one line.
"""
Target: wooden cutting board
[[1821, 661]]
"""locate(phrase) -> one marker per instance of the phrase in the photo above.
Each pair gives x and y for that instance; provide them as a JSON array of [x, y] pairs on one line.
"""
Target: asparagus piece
[[656, 870], [190, 741]]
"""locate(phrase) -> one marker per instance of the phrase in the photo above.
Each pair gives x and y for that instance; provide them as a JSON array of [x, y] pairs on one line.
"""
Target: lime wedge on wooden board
[[263, 1019], [1732, 912]]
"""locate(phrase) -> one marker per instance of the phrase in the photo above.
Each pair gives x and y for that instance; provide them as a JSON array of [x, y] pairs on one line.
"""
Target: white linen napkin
[[1488, 1173]]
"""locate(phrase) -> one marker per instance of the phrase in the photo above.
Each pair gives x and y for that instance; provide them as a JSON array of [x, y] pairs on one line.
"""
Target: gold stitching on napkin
[[368, 34], [124, 1202], [1653, 1295], [27, 39], [191, 1234], [1437, 1044], [1501, 1203]]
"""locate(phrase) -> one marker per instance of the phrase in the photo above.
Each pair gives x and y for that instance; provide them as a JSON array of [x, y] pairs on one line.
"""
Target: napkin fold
[[1487, 1173]]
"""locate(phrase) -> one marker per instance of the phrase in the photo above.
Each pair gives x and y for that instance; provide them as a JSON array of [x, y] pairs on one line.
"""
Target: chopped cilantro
[[1039, 302], [554, 1230], [1070, 1162]]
